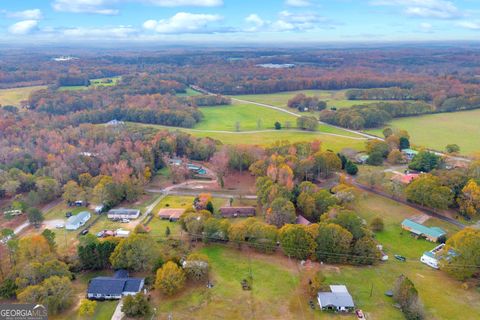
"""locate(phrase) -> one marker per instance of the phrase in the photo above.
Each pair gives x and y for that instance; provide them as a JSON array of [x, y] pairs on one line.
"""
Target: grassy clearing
[[188, 93], [247, 116], [271, 297], [266, 138], [334, 98], [94, 83], [438, 130], [14, 96]]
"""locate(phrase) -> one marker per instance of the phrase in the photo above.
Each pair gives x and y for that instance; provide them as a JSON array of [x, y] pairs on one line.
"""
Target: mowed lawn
[[334, 98], [94, 83], [437, 130], [13, 96], [247, 116], [272, 296]]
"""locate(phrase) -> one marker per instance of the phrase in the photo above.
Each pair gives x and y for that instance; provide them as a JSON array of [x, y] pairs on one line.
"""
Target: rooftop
[[338, 297], [80, 217], [421, 229]]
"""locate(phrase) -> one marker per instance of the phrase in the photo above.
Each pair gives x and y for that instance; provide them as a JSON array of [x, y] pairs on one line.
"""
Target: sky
[[238, 21]]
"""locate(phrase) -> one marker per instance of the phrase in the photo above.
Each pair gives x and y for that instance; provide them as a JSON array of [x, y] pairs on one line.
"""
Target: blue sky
[[260, 21]]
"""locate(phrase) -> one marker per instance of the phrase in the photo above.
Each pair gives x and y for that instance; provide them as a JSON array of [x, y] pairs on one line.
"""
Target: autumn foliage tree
[[170, 278]]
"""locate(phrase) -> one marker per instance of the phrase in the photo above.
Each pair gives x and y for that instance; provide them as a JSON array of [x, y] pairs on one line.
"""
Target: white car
[[59, 225], [125, 220]]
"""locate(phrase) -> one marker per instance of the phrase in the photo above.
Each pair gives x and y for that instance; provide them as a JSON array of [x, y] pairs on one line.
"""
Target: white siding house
[[78, 220]]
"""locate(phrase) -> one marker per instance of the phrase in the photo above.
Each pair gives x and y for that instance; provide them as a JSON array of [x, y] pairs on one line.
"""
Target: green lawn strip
[[247, 115], [188, 93], [14, 96], [437, 130], [94, 83]]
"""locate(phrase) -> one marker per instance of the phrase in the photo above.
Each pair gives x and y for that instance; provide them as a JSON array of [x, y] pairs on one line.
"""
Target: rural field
[[94, 83], [437, 130], [13, 96], [334, 98], [220, 123], [366, 284]]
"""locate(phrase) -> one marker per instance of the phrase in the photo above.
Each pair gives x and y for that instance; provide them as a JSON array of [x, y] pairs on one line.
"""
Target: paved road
[[44, 210]]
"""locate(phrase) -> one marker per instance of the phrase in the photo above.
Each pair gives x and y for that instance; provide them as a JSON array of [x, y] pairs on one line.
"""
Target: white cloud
[[84, 6], [33, 14], [184, 22], [298, 3], [185, 3], [117, 32], [255, 21], [288, 21], [469, 25], [23, 27], [107, 7], [438, 9]]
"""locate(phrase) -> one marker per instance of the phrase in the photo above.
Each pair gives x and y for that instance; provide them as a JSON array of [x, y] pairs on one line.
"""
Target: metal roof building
[[78, 220], [339, 299], [430, 233]]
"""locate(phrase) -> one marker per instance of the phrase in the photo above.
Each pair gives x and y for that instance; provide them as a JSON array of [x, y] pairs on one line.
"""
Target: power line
[[304, 251]]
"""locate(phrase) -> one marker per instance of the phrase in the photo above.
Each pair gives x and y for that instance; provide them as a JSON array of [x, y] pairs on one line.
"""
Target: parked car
[[59, 225], [84, 232], [125, 220], [68, 214], [101, 234], [400, 258]]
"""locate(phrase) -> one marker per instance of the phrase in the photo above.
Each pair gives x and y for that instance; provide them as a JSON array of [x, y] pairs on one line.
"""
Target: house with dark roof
[[432, 234], [111, 288], [123, 213], [235, 212], [338, 299]]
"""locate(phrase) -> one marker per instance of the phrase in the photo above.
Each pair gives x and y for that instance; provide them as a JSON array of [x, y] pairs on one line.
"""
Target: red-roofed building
[[405, 178]]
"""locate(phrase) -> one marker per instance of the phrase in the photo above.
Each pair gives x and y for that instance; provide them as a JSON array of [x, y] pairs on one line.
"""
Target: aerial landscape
[[221, 159]]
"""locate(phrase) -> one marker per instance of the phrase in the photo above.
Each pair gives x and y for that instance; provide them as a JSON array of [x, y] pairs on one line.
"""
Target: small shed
[[235, 212], [171, 214], [121, 233], [123, 213], [432, 234], [78, 220]]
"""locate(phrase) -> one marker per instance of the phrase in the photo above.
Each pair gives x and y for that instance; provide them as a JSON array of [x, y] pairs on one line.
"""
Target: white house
[[339, 299], [78, 220], [122, 213], [432, 259]]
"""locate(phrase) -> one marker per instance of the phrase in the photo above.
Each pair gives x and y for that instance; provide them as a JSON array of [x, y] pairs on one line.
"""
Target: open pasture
[[14, 96], [437, 130], [334, 98]]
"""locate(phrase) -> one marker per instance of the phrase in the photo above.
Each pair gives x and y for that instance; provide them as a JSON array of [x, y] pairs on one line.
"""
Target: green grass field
[[437, 130], [247, 116], [13, 96], [94, 83], [334, 98], [189, 92]]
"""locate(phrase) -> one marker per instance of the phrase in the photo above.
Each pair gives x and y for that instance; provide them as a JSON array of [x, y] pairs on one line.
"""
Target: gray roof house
[[122, 213], [110, 288], [339, 299], [78, 220]]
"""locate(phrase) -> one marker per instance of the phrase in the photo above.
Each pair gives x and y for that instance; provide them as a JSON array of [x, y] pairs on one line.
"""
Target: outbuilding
[[235, 212], [78, 220]]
